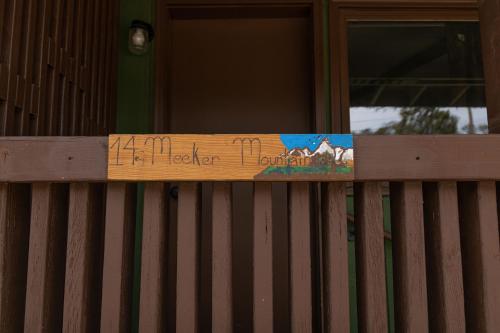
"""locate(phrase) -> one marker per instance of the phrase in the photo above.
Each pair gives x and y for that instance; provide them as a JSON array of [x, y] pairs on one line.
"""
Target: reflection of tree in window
[[421, 120], [427, 120]]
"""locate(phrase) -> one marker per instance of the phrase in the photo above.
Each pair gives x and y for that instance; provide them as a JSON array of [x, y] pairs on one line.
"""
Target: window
[[416, 78]]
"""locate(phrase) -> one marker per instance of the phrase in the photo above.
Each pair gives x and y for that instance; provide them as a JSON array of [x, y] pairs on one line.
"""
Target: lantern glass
[[139, 40]]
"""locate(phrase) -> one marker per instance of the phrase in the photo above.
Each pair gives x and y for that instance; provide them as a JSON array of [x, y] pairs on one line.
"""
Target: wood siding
[[58, 67]]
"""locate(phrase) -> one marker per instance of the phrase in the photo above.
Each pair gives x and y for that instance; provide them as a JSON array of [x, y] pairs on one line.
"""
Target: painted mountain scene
[[313, 156], [231, 157]]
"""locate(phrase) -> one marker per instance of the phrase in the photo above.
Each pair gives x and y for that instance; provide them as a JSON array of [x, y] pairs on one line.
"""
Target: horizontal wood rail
[[72, 159]]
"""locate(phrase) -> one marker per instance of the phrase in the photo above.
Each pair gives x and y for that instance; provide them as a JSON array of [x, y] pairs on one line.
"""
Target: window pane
[[416, 78]]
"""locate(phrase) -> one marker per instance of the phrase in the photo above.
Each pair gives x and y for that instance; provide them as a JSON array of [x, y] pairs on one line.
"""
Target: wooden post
[[222, 288], [14, 239], [263, 316], [410, 284], [154, 238], [118, 257], [370, 257], [481, 255], [188, 258], [47, 255], [83, 258], [443, 258], [300, 257], [335, 258]]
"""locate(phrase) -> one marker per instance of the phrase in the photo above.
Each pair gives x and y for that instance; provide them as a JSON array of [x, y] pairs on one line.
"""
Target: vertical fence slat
[[300, 258], [222, 291], [14, 237], [370, 258], [46, 262], [263, 317], [444, 261], [82, 290], [188, 236], [481, 255], [153, 275], [410, 282], [335, 258], [118, 257]]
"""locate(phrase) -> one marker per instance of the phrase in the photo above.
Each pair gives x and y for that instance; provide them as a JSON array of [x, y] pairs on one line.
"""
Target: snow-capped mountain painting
[[340, 153], [313, 154], [300, 152], [325, 147]]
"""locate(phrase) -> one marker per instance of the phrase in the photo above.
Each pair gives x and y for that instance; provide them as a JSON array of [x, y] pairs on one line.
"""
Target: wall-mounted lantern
[[140, 36]]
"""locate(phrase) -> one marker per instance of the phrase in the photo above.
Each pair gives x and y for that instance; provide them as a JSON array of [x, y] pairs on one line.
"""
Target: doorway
[[237, 69]]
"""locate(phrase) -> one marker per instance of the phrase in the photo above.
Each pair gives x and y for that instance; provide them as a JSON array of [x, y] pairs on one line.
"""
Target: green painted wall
[[135, 106], [135, 93]]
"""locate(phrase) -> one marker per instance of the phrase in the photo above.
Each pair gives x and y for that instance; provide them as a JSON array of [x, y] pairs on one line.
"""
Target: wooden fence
[[67, 243]]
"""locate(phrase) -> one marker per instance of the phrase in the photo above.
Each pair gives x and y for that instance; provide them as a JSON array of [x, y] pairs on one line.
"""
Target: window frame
[[344, 12]]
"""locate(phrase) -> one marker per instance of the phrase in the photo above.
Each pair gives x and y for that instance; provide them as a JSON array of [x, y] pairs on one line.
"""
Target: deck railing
[[67, 240]]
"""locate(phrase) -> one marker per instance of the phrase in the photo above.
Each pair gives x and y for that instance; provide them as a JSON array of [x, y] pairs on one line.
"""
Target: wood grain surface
[[480, 255], [410, 284], [370, 257], [186, 157], [300, 258], [335, 258], [263, 289], [14, 238], [117, 284], [83, 258], [188, 258], [444, 260], [47, 258], [153, 270], [222, 288]]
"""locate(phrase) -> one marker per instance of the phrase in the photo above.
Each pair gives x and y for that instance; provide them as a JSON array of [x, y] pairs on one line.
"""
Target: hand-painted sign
[[264, 157]]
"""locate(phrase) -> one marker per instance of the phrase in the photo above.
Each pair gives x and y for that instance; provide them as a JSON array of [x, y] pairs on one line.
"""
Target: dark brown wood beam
[[453, 157], [63, 159]]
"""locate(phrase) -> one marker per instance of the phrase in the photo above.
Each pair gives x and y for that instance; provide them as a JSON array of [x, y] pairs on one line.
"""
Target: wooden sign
[[273, 157]]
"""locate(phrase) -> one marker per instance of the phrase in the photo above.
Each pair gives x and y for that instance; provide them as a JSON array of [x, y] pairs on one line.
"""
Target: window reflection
[[416, 78]]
